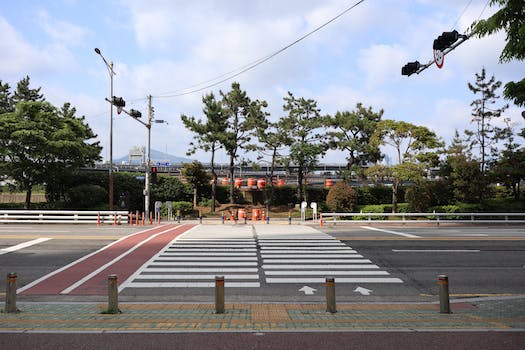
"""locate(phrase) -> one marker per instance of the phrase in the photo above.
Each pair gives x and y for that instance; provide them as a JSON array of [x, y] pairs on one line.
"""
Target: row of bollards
[[10, 301]]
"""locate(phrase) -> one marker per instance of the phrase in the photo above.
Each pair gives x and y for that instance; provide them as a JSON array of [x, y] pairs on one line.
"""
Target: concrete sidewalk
[[506, 314]]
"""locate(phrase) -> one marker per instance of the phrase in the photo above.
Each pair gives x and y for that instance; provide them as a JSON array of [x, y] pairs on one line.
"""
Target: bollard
[[130, 215], [330, 295], [115, 219], [10, 294], [200, 216], [268, 219], [150, 218], [222, 218], [219, 294], [112, 295], [137, 218], [444, 301], [143, 218], [290, 218], [98, 219]]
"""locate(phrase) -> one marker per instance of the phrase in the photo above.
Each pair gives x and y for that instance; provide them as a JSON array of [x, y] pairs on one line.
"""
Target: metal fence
[[422, 218], [63, 217]]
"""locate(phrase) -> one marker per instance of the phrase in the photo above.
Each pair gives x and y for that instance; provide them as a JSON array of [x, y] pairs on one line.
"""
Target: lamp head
[[97, 50]]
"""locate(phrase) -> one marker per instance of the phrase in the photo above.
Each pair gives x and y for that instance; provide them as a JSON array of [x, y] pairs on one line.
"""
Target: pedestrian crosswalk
[[251, 257], [194, 259], [305, 255]]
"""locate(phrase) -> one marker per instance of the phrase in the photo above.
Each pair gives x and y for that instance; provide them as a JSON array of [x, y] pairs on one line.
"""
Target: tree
[[208, 134], [352, 134], [273, 138], [509, 169], [303, 123], [414, 147], [243, 115], [341, 198], [6, 100], [40, 144], [510, 18], [486, 134], [196, 176]]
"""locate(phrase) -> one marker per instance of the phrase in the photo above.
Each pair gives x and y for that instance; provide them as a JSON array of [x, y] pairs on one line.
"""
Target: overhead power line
[[236, 72]]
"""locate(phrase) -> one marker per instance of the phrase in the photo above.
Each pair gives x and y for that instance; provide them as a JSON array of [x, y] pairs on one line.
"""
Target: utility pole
[[148, 150]]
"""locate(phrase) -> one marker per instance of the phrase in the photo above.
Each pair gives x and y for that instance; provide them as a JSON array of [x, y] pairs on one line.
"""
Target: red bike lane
[[88, 275]]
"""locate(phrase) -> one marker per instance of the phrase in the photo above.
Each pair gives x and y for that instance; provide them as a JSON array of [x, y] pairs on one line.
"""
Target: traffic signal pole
[[148, 150]]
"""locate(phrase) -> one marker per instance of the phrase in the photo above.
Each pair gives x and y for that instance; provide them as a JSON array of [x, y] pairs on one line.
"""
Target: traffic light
[[445, 40], [154, 174], [118, 102], [135, 114], [410, 68]]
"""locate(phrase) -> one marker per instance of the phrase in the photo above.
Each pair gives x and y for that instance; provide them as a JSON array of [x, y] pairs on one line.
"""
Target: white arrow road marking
[[363, 291], [308, 290]]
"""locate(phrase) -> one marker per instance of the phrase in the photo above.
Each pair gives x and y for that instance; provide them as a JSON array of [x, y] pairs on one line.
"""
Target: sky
[[167, 47]]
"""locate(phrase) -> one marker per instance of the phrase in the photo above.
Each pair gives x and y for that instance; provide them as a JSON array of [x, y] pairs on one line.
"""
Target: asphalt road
[[480, 261]]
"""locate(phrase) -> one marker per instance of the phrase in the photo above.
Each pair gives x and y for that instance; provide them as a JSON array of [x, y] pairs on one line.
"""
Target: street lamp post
[[109, 66]]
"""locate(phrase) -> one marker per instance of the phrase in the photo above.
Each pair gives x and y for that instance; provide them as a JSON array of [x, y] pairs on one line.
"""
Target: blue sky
[[164, 46]]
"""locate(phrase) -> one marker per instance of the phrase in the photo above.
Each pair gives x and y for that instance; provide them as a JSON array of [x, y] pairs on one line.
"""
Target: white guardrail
[[63, 217], [436, 218]]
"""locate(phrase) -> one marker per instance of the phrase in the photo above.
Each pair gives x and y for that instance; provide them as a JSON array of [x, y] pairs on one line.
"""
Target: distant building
[[137, 155]]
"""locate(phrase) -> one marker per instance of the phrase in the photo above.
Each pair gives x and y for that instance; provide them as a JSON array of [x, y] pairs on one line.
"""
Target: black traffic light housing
[[118, 102], [445, 40], [154, 174], [135, 114], [410, 68]]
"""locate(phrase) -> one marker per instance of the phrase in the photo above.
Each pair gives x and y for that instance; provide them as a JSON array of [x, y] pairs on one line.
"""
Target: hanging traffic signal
[[445, 40], [410, 68], [154, 174], [118, 102], [135, 114]]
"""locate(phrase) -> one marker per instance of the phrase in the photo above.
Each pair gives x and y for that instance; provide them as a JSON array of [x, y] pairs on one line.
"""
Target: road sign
[[439, 58], [163, 163]]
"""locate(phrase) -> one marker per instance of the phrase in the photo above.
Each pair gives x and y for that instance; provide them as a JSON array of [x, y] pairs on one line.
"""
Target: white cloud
[[62, 32]]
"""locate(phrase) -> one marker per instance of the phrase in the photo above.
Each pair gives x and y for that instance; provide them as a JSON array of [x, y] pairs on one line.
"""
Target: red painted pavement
[[125, 267], [64, 279]]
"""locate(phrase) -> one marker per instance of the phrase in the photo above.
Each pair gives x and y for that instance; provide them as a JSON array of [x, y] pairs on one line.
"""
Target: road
[[265, 262]]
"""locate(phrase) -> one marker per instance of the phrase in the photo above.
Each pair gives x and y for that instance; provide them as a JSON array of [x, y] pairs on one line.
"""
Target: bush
[[426, 194], [86, 196], [341, 198]]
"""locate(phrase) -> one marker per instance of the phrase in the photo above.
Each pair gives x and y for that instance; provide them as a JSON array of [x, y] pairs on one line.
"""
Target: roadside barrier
[[330, 295], [444, 300], [10, 294], [14, 216], [219, 294]]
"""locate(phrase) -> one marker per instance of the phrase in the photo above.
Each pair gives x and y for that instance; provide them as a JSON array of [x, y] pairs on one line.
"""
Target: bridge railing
[[64, 216], [334, 218]]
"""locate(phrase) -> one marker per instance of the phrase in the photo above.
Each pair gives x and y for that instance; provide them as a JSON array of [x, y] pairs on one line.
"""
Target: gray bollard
[[330, 295], [113, 295], [444, 301], [219, 294], [10, 295]]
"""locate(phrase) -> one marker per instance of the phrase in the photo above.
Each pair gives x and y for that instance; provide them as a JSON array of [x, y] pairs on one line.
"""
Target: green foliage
[[169, 188], [186, 208], [86, 196], [352, 133], [375, 194], [341, 198], [424, 195], [510, 17], [285, 195]]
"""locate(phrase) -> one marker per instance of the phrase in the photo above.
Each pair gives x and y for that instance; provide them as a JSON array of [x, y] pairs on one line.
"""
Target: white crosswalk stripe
[[194, 259], [310, 257]]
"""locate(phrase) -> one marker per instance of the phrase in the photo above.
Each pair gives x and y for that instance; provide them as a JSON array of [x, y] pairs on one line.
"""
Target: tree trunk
[[195, 198], [395, 185], [214, 180], [27, 203], [232, 164], [300, 183]]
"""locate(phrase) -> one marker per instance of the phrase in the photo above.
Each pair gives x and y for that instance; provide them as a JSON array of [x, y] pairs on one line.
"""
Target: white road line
[[323, 266], [202, 246], [103, 267], [408, 235], [306, 261], [325, 273], [207, 254], [306, 244], [270, 256], [204, 269], [337, 280], [287, 252], [217, 240], [179, 249], [270, 241], [195, 277], [199, 263], [193, 284], [23, 245], [217, 259], [287, 248], [436, 250]]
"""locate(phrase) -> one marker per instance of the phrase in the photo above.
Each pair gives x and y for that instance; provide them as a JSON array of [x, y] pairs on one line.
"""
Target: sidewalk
[[480, 314]]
